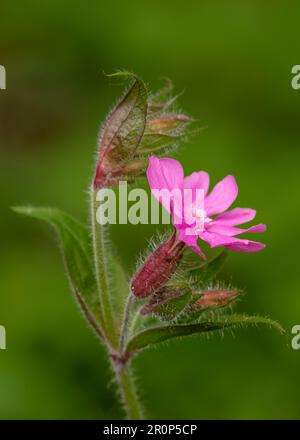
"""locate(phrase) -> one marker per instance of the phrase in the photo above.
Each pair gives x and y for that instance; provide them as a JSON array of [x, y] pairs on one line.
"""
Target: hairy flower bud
[[214, 299], [158, 268], [168, 302], [121, 135], [132, 131], [132, 168], [167, 122]]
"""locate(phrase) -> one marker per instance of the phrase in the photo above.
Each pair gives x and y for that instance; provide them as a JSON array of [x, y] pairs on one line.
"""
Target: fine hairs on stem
[[125, 321]]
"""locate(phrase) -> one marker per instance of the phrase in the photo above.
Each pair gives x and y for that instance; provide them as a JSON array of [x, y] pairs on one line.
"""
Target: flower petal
[[235, 244], [219, 228], [215, 240], [222, 196], [198, 180], [236, 216], [166, 175], [246, 246], [191, 241]]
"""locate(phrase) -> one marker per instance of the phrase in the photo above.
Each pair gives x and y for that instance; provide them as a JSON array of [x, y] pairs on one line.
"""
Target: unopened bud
[[167, 122], [158, 268], [168, 302], [132, 168], [161, 297], [121, 135], [214, 299]]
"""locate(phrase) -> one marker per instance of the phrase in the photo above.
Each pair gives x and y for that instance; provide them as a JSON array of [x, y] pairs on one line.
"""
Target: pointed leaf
[[75, 246], [125, 125], [156, 335]]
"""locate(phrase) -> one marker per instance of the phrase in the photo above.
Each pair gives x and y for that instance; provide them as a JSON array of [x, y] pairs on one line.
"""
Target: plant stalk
[[101, 271], [128, 393], [125, 321], [124, 376]]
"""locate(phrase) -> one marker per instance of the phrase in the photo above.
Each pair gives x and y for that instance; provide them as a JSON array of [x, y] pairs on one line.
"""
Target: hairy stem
[[101, 270], [125, 321], [124, 376], [128, 394]]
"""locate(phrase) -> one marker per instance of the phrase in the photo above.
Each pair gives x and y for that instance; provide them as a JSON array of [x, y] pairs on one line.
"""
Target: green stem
[[101, 270], [128, 394], [125, 321], [124, 376]]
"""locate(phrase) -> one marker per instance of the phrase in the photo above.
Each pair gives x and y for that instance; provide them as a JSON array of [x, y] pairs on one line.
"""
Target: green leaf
[[124, 127], [121, 73], [77, 255], [209, 270], [156, 335]]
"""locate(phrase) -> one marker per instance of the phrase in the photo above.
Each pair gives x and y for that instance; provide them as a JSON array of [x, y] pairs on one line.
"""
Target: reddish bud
[[132, 168], [215, 298], [158, 268], [167, 122], [134, 129], [121, 135]]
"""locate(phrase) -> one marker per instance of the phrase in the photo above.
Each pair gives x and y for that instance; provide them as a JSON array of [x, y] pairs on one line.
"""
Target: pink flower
[[217, 227]]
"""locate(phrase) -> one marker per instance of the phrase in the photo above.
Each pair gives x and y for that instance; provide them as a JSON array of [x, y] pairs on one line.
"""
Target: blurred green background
[[233, 59]]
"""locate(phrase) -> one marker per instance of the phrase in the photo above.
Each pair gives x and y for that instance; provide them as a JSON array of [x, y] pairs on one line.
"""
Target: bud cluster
[[138, 126]]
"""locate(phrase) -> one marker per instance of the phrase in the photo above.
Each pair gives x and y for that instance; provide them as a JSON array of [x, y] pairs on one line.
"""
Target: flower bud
[[132, 168], [215, 299], [158, 267], [167, 303], [167, 122], [133, 130], [121, 135]]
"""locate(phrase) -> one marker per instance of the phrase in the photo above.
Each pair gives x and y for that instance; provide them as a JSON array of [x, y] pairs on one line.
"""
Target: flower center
[[201, 219], [200, 215]]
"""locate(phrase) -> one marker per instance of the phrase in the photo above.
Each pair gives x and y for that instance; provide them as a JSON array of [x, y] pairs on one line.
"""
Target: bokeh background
[[234, 60]]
